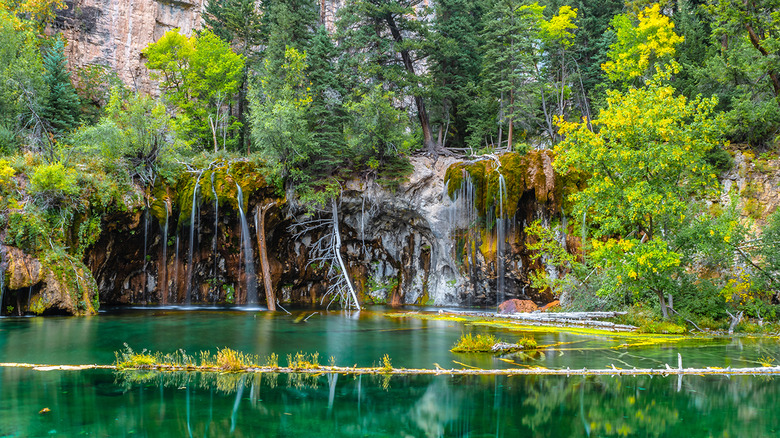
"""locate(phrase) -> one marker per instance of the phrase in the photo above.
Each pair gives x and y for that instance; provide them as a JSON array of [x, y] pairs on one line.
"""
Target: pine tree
[[289, 24], [512, 65], [456, 63], [61, 108], [386, 42], [326, 113]]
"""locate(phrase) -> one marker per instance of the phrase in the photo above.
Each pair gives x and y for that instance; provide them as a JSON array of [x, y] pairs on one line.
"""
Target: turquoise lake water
[[105, 403]]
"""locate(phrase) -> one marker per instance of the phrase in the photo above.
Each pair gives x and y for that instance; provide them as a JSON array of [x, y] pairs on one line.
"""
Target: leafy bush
[[53, 183]]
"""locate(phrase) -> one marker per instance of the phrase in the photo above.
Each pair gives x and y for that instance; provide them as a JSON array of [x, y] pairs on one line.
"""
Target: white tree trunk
[[337, 251]]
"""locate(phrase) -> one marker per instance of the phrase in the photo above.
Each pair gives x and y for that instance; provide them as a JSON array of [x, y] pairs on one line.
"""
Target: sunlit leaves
[[640, 46], [198, 74], [646, 159], [559, 29]]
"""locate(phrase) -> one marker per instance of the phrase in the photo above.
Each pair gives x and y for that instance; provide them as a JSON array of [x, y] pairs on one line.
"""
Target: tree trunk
[[511, 130], [661, 301], [422, 113], [270, 296], [337, 251], [754, 39]]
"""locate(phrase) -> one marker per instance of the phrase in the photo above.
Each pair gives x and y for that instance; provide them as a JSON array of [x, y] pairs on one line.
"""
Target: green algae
[[618, 339], [521, 173]]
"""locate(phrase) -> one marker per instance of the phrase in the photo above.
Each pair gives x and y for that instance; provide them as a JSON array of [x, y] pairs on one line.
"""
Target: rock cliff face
[[113, 33], [400, 246], [62, 286], [189, 242]]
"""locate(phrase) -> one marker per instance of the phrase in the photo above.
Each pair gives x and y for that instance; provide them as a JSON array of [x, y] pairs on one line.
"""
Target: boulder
[[517, 306], [551, 306]]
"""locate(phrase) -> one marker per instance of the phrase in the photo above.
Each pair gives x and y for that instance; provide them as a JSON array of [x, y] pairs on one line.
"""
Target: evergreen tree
[[326, 113], [456, 63], [513, 59], [288, 24], [239, 23], [62, 105], [386, 42]]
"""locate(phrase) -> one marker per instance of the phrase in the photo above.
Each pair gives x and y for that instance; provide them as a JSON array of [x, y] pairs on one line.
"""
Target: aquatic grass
[[387, 365], [303, 361], [475, 344], [227, 359], [128, 358]]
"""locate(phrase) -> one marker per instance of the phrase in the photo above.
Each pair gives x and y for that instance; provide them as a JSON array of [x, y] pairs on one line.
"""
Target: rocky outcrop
[[113, 33], [60, 286], [517, 306], [401, 245]]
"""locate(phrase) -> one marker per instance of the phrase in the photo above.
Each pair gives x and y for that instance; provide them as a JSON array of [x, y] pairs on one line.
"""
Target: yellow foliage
[[639, 46]]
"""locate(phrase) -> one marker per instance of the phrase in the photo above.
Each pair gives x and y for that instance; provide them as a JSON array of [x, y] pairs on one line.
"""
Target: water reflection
[[182, 404]]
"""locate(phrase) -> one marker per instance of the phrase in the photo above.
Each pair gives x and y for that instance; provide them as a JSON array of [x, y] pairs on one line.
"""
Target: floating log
[[536, 371]]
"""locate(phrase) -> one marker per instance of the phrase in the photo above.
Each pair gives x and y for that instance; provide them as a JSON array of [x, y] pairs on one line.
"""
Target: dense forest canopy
[[636, 98]]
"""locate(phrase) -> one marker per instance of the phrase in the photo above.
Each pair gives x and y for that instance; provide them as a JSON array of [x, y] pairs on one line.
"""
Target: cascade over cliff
[[453, 233], [187, 242], [399, 247]]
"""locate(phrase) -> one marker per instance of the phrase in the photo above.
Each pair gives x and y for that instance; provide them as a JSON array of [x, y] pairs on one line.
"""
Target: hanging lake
[[134, 403]]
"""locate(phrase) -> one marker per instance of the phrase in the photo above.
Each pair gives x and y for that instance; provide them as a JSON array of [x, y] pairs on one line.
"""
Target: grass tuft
[[475, 344]]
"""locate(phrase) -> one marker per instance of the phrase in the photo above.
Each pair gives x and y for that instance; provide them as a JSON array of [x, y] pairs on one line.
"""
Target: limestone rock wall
[[62, 286], [113, 33]]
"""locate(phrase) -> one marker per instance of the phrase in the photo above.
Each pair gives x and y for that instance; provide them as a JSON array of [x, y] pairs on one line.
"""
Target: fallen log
[[613, 371]]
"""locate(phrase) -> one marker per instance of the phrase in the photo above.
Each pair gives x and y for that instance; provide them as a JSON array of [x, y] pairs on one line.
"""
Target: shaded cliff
[[400, 245]]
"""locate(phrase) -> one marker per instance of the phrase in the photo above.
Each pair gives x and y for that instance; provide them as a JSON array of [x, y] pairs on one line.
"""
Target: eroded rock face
[[400, 246], [113, 33], [63, 286], [517, 306]]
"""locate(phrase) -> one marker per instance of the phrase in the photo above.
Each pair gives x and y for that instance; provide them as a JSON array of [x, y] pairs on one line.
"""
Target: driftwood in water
[[270, 295], [504, 347], [667, 371]]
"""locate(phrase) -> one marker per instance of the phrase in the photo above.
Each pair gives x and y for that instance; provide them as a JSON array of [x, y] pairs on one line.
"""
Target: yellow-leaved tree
[[642, 44], [646, 163]]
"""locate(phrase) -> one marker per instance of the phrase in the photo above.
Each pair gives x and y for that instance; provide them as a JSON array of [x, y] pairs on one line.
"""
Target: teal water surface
[[100, 403], [104, 403]]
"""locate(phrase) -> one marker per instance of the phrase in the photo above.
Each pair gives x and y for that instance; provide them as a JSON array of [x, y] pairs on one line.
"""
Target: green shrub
[[53, 183]]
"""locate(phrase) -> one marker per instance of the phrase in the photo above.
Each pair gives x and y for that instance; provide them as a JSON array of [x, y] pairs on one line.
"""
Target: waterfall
[[195, 205], [216, 236], [501, 241], [176, 268], [146, 234], [246, 247], [463, 218], [164, 293]]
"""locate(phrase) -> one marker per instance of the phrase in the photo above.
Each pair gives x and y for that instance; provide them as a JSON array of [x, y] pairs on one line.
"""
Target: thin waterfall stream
[[501, 241], [246, 248], [195, 207], [144, 297], [216, 237], [164, 270]]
